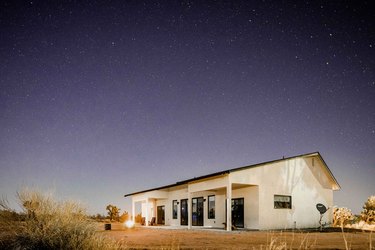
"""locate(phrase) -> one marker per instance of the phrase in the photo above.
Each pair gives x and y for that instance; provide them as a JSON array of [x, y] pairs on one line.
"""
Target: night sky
[[99, 99]]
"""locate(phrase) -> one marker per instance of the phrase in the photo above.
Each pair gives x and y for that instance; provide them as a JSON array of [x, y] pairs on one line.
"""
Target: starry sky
[[103, 98]]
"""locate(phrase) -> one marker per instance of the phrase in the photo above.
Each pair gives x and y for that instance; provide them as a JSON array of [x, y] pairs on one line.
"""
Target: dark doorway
[[161, 215], [238, 212], [184, 212], [197, 211]]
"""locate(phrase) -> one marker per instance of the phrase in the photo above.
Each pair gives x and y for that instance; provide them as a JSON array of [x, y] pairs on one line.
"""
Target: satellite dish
[[321, 208]]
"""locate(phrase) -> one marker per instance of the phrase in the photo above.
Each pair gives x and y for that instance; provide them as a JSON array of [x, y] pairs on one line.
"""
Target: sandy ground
[[159, 238]]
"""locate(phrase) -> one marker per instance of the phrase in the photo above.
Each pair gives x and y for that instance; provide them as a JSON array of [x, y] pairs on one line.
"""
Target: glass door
[[161, 215], [238, 212], [184, 212], [197, 211]]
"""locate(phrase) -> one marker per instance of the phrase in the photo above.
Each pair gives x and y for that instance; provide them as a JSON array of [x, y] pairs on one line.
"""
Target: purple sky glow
[[99, 99]]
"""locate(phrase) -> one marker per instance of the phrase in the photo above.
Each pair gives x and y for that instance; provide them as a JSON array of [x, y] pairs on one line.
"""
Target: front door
[[161, 215], [238, 212], [184, 212], [197, 211]]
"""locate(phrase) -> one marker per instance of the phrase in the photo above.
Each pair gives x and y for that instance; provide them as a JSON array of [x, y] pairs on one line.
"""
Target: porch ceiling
[[150, 198], [240, 185]]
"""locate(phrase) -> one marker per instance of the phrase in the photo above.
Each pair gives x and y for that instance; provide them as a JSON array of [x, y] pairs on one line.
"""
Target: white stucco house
[[278, 194]]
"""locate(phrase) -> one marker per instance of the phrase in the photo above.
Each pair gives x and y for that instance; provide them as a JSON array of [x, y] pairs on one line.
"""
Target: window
[[282, 201], [174, 211], [211, 207]]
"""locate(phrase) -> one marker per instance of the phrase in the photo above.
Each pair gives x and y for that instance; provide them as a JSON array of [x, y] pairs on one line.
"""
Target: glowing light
[[129, 224]]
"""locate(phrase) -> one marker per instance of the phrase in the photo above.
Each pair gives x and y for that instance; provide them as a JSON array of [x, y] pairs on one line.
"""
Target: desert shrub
[[98, 217], [368, 212], [124, 217], [10, 215], [138, 218], [54, 225], [356, 218], [342, 216]]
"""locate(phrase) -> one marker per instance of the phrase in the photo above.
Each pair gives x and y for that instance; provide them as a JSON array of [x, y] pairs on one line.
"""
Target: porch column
[[133, 210], [190, 214], [147, 216], [229, 205]]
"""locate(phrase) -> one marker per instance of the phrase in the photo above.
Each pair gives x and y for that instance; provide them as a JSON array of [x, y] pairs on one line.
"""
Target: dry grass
[[155, 238], [48, 224], [283, 241]]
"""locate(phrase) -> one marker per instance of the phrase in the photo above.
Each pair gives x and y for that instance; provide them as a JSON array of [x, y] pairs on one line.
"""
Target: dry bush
[[49, 224], [138, 218], [124, 217], [342, 216], [368, 212]]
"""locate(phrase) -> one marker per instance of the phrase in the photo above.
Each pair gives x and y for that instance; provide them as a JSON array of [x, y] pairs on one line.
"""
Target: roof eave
[[336, 185]]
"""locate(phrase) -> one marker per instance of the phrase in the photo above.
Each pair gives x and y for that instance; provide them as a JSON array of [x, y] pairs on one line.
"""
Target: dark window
[[211, 207], [174, 205], [282, 201]]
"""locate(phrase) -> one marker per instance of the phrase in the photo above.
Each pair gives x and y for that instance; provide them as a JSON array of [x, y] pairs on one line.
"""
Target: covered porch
[[231, 199], [148, 203], [232, 210]]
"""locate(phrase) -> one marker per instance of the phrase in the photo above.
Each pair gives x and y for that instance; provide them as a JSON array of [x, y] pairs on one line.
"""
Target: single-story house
[[277, 194]]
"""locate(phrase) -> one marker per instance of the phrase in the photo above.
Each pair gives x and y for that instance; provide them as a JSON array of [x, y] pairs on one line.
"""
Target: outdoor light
[[129, 224]]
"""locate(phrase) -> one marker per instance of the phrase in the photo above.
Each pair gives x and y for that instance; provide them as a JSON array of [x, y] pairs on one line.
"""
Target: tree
[[368, 212], [113, 212], [342, 216]]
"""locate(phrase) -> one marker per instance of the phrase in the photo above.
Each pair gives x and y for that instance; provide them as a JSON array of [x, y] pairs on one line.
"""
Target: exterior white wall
[[290, 177], [210, 184], [174, 195], [251, 205], [155, 194]]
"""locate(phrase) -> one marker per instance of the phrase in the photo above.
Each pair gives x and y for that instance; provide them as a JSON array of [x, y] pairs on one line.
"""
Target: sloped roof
[[239, 169]]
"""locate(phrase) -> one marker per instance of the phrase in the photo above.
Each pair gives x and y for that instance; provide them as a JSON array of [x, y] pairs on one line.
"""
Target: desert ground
[[167, 238]]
